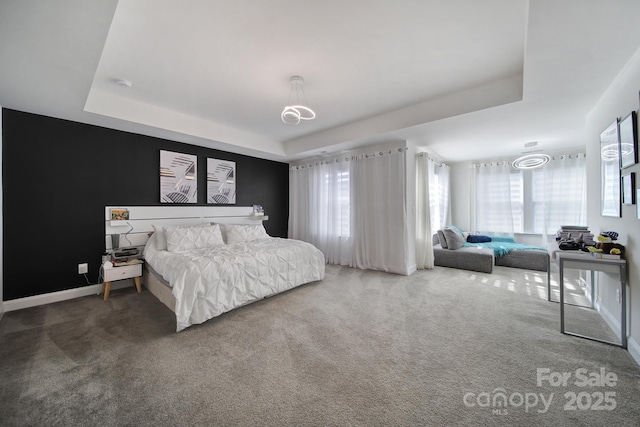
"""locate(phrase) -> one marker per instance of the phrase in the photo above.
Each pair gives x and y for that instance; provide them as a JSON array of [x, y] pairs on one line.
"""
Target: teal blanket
[[503, 245]]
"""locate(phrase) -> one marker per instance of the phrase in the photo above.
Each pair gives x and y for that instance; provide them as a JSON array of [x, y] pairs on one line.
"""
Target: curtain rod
[[437, 163], [345, 157]]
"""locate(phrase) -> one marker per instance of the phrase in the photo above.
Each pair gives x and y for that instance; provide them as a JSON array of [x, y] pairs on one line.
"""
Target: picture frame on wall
[[628, 189], [628, 140], [610, 171], [221, 182], [178, 177]]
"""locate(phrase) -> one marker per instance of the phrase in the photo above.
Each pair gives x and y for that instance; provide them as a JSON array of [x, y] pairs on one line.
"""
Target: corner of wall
[[460, 190], [634, 350]]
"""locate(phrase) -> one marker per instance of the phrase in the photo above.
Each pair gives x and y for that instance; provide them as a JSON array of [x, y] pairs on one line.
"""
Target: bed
[[200, 274]]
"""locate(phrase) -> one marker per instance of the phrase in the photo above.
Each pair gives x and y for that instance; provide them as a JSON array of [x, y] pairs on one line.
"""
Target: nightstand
[[120, 273]]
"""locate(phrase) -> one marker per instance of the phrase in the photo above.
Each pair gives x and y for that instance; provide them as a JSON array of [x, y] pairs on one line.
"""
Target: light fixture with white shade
[[124, 83], [297, 109], [531, 160]]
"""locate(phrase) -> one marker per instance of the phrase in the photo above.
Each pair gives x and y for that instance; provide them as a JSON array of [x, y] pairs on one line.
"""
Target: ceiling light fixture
[[297, 108], [124, 83], [531, 160]]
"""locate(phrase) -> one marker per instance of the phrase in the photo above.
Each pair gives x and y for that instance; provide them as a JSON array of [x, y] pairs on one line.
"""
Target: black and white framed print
[[178, 177], [629, 188], [610, 171], [221, 182], [628, 141]]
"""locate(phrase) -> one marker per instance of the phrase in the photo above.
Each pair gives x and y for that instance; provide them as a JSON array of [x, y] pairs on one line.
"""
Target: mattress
[[207, 282]]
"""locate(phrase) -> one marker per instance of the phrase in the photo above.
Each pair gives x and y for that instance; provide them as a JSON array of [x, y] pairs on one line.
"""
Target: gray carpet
[[360, 348]]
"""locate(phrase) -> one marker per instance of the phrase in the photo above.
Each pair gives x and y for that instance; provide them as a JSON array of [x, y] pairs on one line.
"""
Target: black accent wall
[[59, 175]]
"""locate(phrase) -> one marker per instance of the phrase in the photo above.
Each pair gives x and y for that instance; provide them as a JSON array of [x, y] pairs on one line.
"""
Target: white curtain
[[319, 208], [353, 208], [491, 193], [439, 194], [424, 244], [563, 194], [379, 212], [433, 210]]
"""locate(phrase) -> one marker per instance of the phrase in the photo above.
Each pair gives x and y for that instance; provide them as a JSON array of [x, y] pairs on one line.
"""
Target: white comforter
[[211, 281]]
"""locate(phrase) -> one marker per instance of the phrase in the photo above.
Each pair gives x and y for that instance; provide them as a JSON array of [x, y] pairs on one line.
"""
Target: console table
[[585, 261]]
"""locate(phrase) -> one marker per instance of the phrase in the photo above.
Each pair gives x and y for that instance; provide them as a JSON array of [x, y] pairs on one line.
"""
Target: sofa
[[483, 259]]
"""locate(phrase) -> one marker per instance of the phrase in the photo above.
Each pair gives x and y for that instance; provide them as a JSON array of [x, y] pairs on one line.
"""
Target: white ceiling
[[467, 79]]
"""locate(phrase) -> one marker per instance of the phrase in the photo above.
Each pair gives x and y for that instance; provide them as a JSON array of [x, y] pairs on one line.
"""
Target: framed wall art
[[628, 141], [629, 189], [221, 182], [610, 171], [178, 177]]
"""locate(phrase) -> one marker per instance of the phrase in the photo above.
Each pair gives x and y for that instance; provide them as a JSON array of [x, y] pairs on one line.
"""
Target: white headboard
[[135, 231]]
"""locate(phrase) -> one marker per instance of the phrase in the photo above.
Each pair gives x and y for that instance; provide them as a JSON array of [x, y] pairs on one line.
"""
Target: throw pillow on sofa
[[478, 238], [443, 240], [454, 238]]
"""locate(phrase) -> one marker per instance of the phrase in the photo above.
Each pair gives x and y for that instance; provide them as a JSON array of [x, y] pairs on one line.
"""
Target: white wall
[[461, 195], [619, 100]]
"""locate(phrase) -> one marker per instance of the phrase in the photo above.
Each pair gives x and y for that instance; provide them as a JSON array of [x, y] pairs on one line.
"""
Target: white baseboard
[[609, 319], [20, 303], [634, 349]]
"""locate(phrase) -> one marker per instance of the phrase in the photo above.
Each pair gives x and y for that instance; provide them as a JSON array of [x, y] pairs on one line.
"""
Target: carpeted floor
[[361, 348]]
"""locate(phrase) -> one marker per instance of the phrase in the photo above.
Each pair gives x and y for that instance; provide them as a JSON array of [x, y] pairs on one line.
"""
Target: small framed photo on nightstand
[[119, 214], [119, 217]]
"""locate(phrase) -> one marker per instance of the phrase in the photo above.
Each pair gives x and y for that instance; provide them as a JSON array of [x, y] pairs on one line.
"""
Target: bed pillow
[[181, 239], [454, 238], [478, 238], [443, 240], [161, 238], [245, 233], [161, 233]]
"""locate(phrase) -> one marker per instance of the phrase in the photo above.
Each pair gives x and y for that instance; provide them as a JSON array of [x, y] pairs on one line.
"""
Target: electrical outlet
[[83, 268]]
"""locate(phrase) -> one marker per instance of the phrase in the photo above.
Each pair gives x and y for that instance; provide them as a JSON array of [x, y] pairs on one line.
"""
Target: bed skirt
[[158, 288]]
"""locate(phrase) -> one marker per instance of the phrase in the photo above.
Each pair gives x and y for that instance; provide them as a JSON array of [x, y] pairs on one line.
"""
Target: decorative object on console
[[297, 109], [607, 236], [628, 141], [178, 177], [221, 182], [628, 187], [605, 248], [610, 171]]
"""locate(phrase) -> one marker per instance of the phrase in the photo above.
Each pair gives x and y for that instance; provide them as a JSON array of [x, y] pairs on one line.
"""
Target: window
[[531, 201]]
